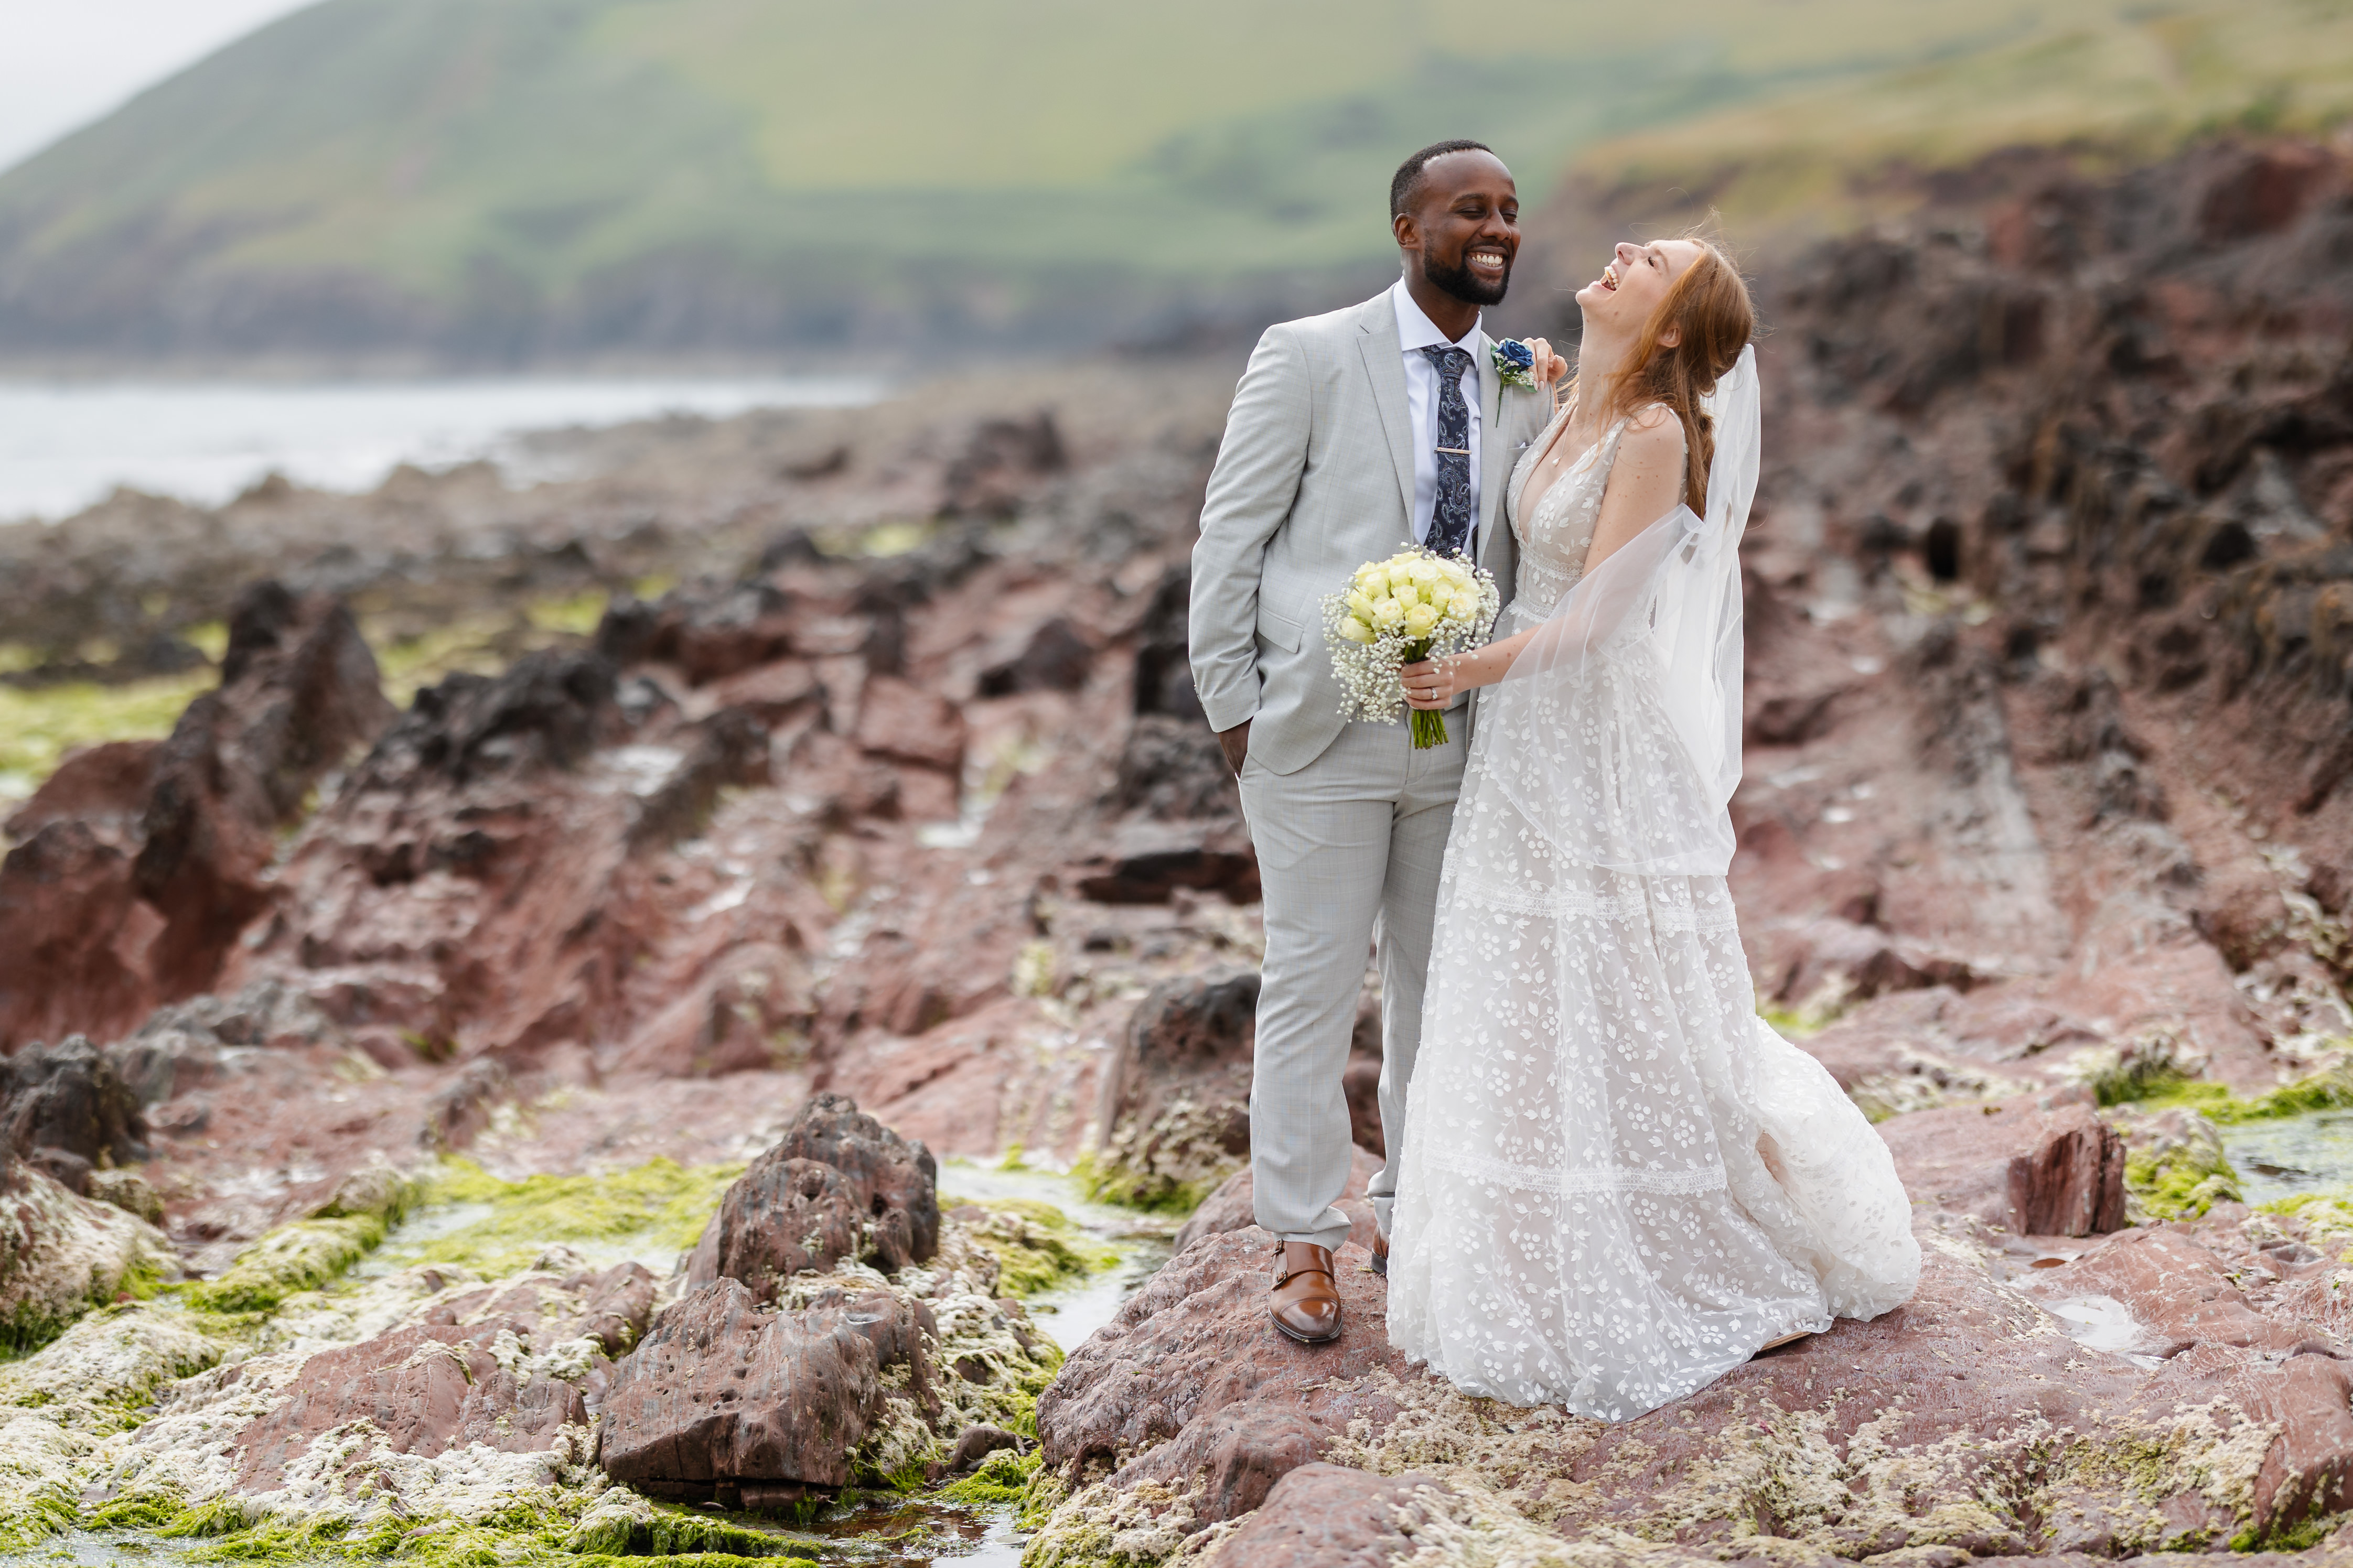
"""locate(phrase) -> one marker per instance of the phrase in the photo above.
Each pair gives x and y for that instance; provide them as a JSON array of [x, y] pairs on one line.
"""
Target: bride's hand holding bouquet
[[1394, 616]]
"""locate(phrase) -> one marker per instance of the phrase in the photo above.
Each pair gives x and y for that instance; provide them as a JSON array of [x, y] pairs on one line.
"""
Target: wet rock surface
[[2030, 1166], [723, 1393]]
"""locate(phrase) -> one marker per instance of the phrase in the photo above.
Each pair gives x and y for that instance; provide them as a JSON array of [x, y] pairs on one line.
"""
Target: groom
[[1350, 433]]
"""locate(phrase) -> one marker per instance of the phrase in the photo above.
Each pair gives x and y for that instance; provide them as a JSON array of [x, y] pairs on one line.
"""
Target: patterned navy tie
[[1449, 518]]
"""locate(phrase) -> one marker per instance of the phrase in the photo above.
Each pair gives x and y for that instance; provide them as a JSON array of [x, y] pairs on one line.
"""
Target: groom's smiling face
[[1461, 229]]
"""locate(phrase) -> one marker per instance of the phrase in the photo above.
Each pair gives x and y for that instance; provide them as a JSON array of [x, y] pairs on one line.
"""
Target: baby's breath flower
[[1415, 605]]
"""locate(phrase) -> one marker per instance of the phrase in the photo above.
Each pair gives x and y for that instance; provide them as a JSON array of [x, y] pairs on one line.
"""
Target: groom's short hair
[[1409, 175]]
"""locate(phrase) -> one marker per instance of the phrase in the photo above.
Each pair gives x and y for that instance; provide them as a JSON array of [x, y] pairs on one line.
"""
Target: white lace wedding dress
[[1618, 1182]]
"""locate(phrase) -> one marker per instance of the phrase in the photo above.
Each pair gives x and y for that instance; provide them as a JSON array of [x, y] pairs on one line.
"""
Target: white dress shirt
[[1415, 333]]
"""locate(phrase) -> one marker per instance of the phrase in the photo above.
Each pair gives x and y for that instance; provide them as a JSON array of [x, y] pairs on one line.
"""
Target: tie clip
[[1453, 451]]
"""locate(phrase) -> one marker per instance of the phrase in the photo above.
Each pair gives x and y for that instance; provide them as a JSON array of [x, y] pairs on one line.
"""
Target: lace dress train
[[1618, 1182]]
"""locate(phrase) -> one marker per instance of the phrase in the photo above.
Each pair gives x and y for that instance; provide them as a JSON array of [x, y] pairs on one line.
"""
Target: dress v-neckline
[[1523, 510]]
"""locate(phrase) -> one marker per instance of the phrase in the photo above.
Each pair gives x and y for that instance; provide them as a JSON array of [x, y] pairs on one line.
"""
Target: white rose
[[1356, 630], [1373, 582], [1466, 607], [1419, 620], [1425, 572], [1388, 614], [1362, 604]]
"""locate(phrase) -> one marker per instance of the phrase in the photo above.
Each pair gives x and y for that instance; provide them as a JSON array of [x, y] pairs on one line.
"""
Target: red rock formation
[[427, 1389], [2031, 1166], [723, 1392], [100, 921], [838, 1186]]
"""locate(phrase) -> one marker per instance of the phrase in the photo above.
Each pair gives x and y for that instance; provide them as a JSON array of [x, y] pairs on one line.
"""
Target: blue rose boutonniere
[[1516, 363]]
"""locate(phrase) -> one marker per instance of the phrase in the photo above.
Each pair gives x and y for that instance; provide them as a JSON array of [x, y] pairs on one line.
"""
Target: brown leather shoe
[[1380, 1255], [1304, 1303]]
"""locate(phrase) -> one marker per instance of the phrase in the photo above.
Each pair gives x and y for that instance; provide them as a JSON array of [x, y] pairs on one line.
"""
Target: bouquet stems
[[1429, 723]]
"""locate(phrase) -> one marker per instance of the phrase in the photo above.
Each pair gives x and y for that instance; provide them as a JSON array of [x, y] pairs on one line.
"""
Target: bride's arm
[[1645, 484]]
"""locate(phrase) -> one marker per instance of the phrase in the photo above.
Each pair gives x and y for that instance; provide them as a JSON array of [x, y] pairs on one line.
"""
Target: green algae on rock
[[65, 1409], [2175, 1165], [656, 1209], [1036, 1246], [313, 1251], [60, 1255]]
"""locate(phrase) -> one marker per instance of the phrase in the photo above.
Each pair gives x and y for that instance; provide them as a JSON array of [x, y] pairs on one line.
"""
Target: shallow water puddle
[[2102, 1324], [1070, 1315], [2294, 1154]]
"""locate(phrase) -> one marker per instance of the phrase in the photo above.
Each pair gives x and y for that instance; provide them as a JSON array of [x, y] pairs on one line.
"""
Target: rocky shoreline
[[535, 978]]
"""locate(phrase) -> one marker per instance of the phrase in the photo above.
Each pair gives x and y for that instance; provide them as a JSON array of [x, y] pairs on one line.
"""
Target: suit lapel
[[1499, 416], [1377, 340]]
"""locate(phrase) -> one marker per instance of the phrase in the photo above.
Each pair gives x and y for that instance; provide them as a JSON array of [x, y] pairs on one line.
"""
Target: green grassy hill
[[535, 178]]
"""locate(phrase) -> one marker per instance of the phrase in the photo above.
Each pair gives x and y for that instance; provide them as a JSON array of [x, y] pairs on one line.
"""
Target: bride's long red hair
[[1709, 310]]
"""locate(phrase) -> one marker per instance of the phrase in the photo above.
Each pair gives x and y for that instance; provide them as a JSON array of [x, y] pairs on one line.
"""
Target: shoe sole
[[1297, 1338]]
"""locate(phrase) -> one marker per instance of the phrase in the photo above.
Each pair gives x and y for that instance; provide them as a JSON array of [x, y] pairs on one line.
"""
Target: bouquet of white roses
[[1415, 605]]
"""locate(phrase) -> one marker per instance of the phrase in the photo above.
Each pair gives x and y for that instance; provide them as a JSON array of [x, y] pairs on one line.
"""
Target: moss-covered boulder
[[310, 1252], [61, 1254]]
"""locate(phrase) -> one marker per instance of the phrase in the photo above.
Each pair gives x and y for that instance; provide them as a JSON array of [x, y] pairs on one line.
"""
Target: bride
[[1617, 1184]]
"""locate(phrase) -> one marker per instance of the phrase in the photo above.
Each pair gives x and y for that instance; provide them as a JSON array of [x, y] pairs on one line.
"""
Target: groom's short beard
[[1465, 285]]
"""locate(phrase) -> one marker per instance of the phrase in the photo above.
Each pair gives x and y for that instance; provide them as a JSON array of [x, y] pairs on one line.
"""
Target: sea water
[[65, 445]]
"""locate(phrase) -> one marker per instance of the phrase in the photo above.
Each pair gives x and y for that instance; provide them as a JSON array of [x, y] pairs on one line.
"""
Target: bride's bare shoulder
[[1652, 430]]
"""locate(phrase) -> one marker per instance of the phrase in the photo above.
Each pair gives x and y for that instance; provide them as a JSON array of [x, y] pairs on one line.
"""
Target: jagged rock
[[721, 1391], [1056, 658], [61, 1253], [1328, 1516], [104, 787], [548, 711], [838, 1186], [1001, 464], [1172, 769], [2029, 1165], [427, 1389], [2180, 1295], [67, 904], [908, 724], [1172, 1113], [147, 862], [782, 1216], [299, 691], [730, 749], [461, 1109], [68, 1097], [1231, 1207], [707, 630], [127, 1191], [730, 1020]]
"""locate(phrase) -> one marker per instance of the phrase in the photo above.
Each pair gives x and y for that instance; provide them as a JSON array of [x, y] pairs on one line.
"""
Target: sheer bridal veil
[[1622, 714]]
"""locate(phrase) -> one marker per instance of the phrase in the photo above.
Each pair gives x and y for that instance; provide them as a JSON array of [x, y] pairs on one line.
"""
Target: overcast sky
[[63, 63]]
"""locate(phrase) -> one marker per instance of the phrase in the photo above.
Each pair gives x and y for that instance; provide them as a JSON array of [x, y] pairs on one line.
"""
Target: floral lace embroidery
[[1586, 1213], [1561, 1184]]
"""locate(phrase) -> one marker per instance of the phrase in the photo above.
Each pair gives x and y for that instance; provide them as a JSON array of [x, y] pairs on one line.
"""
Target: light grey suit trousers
[[1314, 478]]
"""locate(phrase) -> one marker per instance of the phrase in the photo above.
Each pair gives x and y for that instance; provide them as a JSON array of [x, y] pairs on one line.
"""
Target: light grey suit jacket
[[1314, 478]]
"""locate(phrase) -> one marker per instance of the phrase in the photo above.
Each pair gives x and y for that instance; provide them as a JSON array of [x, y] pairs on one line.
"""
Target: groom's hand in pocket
[[1235, 743]]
